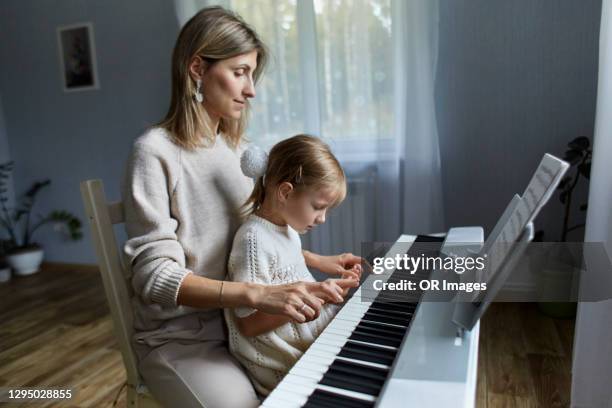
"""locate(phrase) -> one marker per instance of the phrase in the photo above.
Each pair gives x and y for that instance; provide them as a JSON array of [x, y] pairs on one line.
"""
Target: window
[[330, 72]]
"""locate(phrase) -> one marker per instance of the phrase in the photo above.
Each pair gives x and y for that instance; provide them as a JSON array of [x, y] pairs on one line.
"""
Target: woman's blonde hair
[[304, 161], [214, 34]]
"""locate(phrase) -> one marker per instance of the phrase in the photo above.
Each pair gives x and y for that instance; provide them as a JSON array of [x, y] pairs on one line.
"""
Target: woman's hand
[[301, 301], [345, 265]]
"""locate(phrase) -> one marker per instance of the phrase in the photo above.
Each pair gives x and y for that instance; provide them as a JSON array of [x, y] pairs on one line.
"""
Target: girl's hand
[[334, 290], [301, 301], [344, 265]]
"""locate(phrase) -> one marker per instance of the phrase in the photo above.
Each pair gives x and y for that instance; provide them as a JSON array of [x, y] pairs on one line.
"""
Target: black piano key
[[319, 403], [391, 331], [397, 297], [352, 383], [393, 313], [373, 338], [350, 368], [429, 238], [380, 317], [403, 307], [406, 306], [394, 340], [365, 352], [324, 398]]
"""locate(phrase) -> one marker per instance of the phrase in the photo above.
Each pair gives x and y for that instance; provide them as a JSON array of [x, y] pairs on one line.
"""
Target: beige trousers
[[184, 373]]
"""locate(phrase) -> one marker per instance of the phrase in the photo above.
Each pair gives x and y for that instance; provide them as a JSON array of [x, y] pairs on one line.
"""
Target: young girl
[[295, 186]]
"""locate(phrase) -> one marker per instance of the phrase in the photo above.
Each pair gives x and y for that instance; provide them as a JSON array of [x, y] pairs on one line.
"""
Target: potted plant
[[22, 253], [5, 270], [561, 265]]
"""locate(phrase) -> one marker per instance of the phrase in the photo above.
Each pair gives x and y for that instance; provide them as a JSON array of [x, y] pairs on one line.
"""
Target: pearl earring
[[197, 94]]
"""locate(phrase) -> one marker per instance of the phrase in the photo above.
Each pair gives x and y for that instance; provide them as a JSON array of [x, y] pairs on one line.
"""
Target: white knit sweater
[[182, 211], [267, 253]]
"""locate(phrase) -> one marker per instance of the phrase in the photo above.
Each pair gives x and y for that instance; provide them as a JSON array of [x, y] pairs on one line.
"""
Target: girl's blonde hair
[[304, 161], [214, 34]]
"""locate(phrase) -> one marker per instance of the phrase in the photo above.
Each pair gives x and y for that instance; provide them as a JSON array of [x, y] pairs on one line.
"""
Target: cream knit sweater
[[181, 211], [270, 254]]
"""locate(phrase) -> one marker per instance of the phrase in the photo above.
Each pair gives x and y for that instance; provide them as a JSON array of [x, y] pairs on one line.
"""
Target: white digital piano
[[384, 351]]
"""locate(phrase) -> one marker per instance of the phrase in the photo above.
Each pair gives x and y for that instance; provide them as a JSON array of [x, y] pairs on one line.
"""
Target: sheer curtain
[[360, 74], [592, 366]]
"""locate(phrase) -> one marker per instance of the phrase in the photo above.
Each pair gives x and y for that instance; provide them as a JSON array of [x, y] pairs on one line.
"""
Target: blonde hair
[[304, 161], [214, 34]]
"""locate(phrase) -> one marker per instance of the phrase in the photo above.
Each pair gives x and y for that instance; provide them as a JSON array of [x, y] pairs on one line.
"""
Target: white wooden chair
[[102, 216]]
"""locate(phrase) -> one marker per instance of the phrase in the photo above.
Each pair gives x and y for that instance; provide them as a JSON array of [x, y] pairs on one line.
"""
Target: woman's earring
[[198, 95]]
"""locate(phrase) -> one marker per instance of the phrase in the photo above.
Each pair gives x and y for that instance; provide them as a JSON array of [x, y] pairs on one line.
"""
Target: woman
[[182, 194]]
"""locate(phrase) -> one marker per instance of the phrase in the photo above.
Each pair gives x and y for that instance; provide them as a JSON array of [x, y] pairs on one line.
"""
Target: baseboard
[[517, 292], [67, 267]]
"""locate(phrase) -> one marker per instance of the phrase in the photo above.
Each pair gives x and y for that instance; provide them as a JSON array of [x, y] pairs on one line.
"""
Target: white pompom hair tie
[[254, 161]]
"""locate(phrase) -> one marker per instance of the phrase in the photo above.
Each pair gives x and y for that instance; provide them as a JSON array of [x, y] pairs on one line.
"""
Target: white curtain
[[592, 366], [360, 74], [417, 51]]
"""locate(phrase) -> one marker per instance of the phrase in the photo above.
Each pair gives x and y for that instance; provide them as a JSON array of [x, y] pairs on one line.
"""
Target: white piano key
[[332, 339], [387, 324], [348, 393], [308, 365], [383, 346], [283, 398], [292, 393], [352, 309], [350, 313], [305, 372], [341, 324], [363, 362], [325, 354], [318, 346], [350, 318], [303, 380]]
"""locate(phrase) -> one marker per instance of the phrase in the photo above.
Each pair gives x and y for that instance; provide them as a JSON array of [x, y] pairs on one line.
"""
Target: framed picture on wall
[[77, 53]]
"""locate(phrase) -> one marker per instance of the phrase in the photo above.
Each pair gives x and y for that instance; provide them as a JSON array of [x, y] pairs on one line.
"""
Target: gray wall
[[5, 156], [515, 79], [70, 137]]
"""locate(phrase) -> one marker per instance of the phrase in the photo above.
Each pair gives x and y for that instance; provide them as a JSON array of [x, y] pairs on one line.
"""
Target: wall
[[69, 137], [5, 156], [515, 79]]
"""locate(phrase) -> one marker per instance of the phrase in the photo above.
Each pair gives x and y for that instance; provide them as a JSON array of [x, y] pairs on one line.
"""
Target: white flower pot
[[5, 274], [27, 262]]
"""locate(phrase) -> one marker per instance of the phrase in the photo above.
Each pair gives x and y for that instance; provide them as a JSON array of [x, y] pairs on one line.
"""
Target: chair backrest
[[102, 215]]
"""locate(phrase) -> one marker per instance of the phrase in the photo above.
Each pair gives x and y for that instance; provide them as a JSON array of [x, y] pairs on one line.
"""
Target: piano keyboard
[[349, 363]]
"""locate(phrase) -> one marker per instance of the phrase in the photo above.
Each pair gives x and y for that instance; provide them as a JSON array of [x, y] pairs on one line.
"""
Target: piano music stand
[[466, 314]]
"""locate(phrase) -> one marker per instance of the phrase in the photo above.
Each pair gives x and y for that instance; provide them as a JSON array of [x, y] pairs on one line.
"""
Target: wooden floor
[[55, 331]]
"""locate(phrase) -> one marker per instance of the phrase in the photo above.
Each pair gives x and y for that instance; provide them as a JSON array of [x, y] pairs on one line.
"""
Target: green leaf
[[564, 181], [572, 156], [580, 143], [585, 169], [36, 187]]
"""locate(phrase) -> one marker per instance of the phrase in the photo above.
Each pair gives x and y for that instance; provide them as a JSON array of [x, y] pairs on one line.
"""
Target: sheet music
[[539, 190], [504, 242], [543, 183]]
